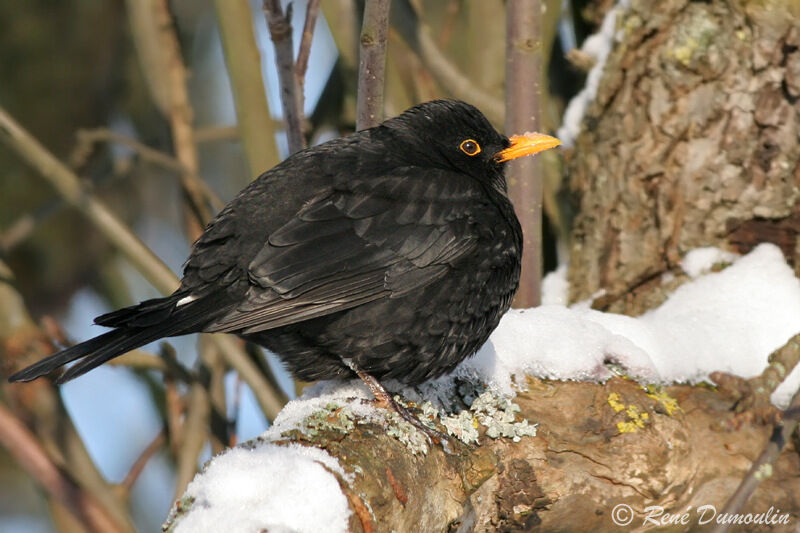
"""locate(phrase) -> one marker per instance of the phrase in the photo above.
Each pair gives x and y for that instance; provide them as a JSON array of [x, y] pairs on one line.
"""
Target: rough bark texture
[[692, 141], [597, 446]]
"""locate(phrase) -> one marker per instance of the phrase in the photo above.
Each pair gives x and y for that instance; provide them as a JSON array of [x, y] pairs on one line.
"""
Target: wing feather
[[353, 246]]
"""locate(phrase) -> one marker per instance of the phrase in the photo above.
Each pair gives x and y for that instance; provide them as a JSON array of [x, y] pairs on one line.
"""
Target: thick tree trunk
[[692, 141]]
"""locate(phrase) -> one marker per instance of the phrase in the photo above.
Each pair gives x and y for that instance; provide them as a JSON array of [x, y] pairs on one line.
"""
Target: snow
[[729, 320], [598, 46], [701, 260], [555, 288], [267, 488]]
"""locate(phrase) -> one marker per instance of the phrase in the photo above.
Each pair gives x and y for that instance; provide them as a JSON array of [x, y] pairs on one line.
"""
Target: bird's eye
[[470, 147]]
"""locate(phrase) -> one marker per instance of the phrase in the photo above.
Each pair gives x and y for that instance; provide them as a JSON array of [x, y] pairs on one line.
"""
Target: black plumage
[[392, 252]]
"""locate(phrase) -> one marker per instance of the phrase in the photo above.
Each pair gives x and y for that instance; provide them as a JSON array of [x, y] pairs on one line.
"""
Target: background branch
[[523, 105], [418, 37], [372, 64], [243, 61], [280, 31], [25, 448], [181, 116]]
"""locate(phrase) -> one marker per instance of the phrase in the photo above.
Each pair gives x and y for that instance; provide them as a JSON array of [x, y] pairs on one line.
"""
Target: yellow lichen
[[684, 53], [613, 401], [636, 418], [658, 394]]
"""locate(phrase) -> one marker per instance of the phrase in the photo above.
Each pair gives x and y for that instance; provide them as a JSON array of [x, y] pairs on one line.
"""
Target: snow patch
[[728, 321], [702, 260], [266, 488], [555, 287], [598, 46]]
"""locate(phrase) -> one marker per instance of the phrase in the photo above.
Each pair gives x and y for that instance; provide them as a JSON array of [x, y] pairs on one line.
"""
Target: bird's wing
[[380, 239]]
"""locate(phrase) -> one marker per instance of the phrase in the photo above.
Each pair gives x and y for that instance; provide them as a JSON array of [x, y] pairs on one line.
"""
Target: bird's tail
[[92, 353], [134, 326]]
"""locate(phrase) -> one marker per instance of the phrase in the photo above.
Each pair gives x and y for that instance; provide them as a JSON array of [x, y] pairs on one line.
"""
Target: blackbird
[[389, 253]]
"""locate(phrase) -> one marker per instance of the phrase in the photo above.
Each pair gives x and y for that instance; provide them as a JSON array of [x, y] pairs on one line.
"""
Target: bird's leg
[[385, 399]]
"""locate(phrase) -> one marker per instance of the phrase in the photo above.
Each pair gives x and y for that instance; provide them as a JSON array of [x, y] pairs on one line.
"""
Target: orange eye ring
[[470, 147]]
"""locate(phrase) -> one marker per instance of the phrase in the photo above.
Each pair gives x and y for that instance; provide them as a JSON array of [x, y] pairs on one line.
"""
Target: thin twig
[[301, 64], [27, 451], [207, 134], [255, 126], [181, 116], [70, 187], [418, 37], [194, 433], [140, 359], [235, 408], [761, 469], [141, 462], [88, 138], [212, 375], [280, 31], [523, 103], [372, 63]]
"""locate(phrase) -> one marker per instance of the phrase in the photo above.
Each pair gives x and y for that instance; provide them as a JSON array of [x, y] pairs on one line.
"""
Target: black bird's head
[[455, 135]]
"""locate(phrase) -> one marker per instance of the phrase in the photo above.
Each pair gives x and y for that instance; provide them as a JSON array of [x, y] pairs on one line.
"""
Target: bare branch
[[280, 31], [301, 65], [181, 116], [761, 468], [523, 103], [243, 61], [69, 186], [418, 36], [87, 138], [141, 462], [194, 434], [372, 63], [22, 444]]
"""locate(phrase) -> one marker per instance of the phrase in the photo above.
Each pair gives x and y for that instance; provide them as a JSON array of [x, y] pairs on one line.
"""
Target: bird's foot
[[384, 399]]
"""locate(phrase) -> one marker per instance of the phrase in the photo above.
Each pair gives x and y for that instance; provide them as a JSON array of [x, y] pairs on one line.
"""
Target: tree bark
[[598, 446], [692, 141]]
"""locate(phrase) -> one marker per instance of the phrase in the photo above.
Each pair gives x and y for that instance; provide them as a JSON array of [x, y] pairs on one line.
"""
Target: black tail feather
[[137, 327], [143, 314], [126, 341], [48, 364]]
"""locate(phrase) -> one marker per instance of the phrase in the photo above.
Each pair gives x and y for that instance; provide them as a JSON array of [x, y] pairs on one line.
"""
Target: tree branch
[[523, 104], [181, 116], [69, 186], [243, 61], [372, 64], [141, 462], [301, 64], [418, 37], [762, 467], [280, 31], [25, 448], [88, 138]]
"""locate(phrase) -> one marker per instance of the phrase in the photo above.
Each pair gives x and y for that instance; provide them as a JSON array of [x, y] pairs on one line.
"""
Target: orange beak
[[528, 144]]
